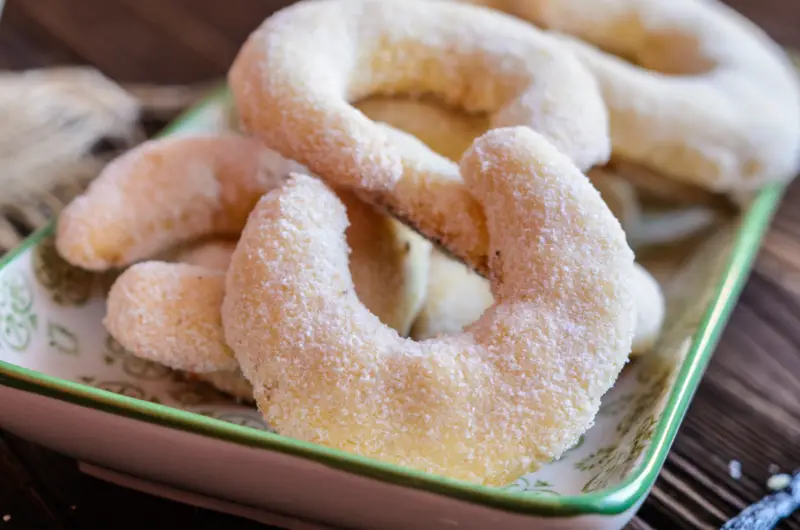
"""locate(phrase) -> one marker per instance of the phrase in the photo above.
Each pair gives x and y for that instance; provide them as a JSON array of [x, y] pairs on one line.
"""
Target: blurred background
[[166, 54], [185, 41]]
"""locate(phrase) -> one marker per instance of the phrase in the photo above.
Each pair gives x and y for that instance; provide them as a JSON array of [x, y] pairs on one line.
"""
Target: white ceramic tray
[[65, 384]]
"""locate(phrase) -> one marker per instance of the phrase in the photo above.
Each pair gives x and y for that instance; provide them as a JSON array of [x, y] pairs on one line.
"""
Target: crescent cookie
[[445, 131], [456, 296], [307, 62], [170, 313], [165, 192], [390, 262], [325, 370], [694, 89], [207, 185]]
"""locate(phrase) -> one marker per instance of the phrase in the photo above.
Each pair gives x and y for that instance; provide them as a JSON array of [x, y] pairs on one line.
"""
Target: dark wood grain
[[746, 409]]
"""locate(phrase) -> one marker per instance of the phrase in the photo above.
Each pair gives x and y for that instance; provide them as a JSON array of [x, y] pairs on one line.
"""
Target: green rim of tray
[[610, 501]]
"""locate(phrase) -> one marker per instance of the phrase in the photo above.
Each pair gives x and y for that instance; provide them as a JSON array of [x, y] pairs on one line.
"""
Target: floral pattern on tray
[[52, 314], [51, 321]]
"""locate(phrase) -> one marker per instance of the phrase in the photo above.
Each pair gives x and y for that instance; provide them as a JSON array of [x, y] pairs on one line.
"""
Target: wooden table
[[746, 409]]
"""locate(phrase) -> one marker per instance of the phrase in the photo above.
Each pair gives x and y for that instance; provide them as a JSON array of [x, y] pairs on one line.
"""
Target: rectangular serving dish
[[65, 385]]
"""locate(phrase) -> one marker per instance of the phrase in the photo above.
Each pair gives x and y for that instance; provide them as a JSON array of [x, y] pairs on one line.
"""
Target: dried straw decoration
[[60, 127]]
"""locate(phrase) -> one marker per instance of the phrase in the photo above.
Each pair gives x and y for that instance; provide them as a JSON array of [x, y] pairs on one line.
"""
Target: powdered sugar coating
[[295, 77], [215, 254], [715, 101], [170, 312], [164, 192], [177, 322], [511, 392]]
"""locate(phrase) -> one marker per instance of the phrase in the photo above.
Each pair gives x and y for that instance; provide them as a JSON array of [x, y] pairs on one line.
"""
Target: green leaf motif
[[599, 458], [62, 339], [521, 484], [655, 390], [193, 393], [18, 322], [68, 285], [643, 436], [239, 419], [114, 348], [123, 388], [16, 292], [614, 462], [615, 406], [635, 428], [539, 487], [139, 368], [546, 492], [610, 466]]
